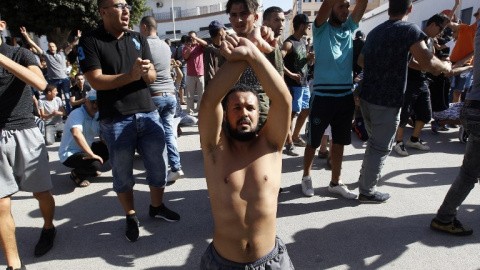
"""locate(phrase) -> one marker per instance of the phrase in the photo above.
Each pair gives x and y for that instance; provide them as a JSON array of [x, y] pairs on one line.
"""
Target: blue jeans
[[63, 85], [141, 131], [470, 170], [166, 105], [381, 123], [183, 84]]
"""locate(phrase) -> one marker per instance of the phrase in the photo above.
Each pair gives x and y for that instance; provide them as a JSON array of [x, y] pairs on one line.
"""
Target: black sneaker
[[163, 212], [454, 227], [377, 197], [132, 231], [45, 243], [22, 267]]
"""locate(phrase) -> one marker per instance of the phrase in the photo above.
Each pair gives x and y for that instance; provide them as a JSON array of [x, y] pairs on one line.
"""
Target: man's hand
[[297, 77], [23, 30], [263, 37], [236, 48], [140, 68], [93, 156]]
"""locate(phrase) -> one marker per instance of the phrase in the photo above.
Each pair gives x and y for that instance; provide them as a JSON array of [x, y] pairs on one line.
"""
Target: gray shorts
[[23, 162], [277, 259]]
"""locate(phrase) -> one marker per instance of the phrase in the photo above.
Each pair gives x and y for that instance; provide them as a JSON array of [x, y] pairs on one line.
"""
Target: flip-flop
[[79, 182]]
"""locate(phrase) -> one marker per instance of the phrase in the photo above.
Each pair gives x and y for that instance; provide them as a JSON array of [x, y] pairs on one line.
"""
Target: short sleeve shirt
[[464, 45], [386, 57], [195, 60], [79, 94], [89, 126], [15, 95], [56, 65], [49, 106], [333, 55], [100, 50]]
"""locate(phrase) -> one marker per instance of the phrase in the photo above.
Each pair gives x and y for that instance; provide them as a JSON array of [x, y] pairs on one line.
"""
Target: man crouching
[[243, 168]]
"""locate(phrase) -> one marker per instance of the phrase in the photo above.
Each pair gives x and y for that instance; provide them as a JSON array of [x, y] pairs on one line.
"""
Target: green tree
[[58, 18]]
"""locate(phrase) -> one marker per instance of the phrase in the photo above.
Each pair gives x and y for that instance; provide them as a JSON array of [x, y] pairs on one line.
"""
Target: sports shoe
[[462, 135], [291, 151], [454, 227], [45, 243], [174, 176], [420, 145], [163, 212], [435, 127], [400, 149], [22, 267], [132, 232], [342, 189], [377, 197], [299, 142], [307, 187]]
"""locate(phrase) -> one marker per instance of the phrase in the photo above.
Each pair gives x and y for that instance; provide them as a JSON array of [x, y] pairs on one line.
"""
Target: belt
[[163, 94]]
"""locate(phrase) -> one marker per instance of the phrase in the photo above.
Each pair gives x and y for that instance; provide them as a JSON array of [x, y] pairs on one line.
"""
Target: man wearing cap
[[297, 60], [193, 54], [332, 98], [78, 150], [212, 59], [462, 53]]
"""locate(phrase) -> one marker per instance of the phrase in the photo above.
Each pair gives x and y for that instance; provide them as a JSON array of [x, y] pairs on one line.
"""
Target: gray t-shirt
[[56, 65], [161, 59], [48, 106], [474, 92]]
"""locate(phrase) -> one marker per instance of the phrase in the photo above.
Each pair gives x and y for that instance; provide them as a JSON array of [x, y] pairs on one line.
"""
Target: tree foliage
[[58, 18]]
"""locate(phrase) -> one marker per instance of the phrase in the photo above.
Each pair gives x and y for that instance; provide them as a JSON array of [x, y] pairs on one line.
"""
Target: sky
[[284, 4]]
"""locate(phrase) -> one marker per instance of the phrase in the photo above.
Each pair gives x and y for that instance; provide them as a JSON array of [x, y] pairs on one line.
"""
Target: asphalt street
[[321, 232]]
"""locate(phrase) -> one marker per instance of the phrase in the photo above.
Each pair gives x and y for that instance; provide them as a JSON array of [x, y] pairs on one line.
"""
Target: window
[[315, 13], [308, 13], [318, 1], [307, 1], [466, 15]]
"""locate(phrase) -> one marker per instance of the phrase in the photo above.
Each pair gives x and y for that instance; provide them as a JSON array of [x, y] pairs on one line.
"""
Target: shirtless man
[[243, 168]]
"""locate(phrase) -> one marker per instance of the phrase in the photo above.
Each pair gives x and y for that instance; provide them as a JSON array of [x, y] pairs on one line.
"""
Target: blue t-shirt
[[387, 54], [333, 57], [90, 127]]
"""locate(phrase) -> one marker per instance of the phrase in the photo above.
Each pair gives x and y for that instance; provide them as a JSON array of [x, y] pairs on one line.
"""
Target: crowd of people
[[122, 93]]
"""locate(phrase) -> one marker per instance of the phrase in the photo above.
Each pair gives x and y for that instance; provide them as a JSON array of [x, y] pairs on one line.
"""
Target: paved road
[[321, 232]]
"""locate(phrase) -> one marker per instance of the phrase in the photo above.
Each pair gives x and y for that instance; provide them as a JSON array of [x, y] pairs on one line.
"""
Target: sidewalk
[[321, 232]]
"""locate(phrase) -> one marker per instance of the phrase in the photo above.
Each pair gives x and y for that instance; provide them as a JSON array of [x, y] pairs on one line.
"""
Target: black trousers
[[87, 167]]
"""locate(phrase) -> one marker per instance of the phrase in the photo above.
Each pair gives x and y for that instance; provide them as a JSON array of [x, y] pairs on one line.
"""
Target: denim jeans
[[470, 170], [166, 105], [141, 131], [63, 85], [381, 123]]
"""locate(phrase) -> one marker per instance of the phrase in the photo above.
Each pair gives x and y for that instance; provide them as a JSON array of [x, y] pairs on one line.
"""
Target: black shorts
[[277, 259], [334, 111], [417, 101]]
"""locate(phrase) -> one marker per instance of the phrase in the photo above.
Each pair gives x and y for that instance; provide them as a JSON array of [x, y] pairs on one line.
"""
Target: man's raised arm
[[211, 112]]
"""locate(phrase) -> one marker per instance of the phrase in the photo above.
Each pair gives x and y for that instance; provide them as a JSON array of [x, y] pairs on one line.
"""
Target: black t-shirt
[[79, 94], [100, 50], [15, 95]]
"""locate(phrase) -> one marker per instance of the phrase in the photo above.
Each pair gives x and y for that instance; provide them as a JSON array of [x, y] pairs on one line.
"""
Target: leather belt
[[163, 94]]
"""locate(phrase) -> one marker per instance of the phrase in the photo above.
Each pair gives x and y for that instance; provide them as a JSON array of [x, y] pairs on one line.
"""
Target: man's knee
[[42, 196], [5, 206]]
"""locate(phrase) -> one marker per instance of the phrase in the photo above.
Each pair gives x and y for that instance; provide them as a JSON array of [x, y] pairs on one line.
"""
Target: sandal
[[79, 182], [322, 154]]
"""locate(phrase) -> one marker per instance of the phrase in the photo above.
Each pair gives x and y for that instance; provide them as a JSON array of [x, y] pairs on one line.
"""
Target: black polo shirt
[[15, 95], [100, 50]]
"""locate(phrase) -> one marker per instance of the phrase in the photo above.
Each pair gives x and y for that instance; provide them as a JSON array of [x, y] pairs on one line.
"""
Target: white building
[[421, 12]]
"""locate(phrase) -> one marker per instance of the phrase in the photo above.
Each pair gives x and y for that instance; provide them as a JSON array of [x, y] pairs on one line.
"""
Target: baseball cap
[[215, 25], [301, 19], [92, 95]]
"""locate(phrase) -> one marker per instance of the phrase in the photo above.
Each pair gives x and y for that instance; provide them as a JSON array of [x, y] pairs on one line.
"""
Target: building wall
[[422, 10]]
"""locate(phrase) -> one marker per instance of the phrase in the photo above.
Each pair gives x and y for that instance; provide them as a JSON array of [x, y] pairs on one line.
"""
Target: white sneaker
[[307, 187], [420, 145], [174, 176], [400, 149], [342, 189]]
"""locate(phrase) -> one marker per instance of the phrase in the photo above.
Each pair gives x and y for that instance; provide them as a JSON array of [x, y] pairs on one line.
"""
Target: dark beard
[[243, 136], [334, 19]]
